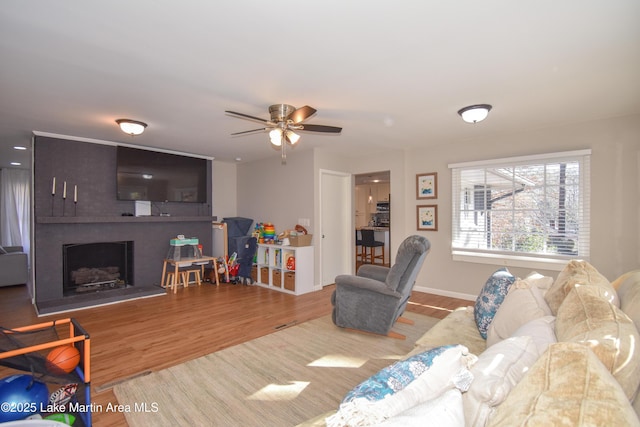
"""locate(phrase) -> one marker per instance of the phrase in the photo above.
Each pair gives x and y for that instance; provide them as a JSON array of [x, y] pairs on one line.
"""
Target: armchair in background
[[14, 269], [374, 299]]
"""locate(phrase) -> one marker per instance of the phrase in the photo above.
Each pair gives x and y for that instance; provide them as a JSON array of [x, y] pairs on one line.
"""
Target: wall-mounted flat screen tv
[[160, 177]]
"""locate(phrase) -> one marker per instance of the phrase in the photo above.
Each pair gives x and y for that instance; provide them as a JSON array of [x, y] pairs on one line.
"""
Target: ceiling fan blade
[[301, 114], [248, 116], [320, 128], [249, 131]]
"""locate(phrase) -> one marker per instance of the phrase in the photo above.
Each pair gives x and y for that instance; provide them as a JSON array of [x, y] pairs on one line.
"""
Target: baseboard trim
[[445, 293]]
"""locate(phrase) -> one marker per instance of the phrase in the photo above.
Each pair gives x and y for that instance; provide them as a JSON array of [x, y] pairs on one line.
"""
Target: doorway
[[336, 237], [373, 208]]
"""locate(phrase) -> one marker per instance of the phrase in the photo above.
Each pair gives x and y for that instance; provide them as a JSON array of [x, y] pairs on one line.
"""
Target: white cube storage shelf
[[272, 272]]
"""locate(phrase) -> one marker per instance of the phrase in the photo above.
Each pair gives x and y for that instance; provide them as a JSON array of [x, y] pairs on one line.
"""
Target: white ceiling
[[392, 74]]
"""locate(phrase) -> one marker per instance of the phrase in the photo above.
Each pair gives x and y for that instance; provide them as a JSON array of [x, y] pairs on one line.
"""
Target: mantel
[[120, 219]]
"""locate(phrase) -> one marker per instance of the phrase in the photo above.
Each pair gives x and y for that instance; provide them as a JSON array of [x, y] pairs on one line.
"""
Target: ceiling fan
[[285, 119]]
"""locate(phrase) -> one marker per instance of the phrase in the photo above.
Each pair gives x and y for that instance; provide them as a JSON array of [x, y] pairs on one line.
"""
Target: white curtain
[[15, 196]]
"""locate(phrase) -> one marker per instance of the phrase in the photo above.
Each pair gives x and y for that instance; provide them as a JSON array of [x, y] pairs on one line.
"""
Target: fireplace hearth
[[96, 267]]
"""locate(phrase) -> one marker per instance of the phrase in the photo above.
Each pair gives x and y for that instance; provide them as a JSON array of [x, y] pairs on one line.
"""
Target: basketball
[[63, 359]]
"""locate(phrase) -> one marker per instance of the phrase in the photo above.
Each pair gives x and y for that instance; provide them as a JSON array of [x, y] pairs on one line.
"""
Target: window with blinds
[[529, 208]]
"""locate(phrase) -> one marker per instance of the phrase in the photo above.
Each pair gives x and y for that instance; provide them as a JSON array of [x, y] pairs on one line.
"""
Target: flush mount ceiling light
[[132, 127], [475, 113]]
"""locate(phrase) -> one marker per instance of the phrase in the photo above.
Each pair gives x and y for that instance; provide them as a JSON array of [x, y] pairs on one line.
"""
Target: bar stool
[[359, 249], [369, 241]]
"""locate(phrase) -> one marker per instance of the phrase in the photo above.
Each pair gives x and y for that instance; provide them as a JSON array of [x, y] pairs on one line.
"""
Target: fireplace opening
[[93, 267]]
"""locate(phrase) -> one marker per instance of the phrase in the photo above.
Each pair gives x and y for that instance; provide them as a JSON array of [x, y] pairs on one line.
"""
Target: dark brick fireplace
[[99, 217], [96, 267]]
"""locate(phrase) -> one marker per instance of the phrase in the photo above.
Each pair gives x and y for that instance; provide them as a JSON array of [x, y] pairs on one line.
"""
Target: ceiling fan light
[[132, 127], [475, 113], [292, 136], [276, 137], [277, 142]]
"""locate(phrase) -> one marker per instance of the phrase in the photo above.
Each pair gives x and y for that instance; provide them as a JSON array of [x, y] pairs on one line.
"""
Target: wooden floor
[[134, 337]]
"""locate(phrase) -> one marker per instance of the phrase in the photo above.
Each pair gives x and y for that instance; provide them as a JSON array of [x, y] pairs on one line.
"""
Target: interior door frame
[[344, 214]]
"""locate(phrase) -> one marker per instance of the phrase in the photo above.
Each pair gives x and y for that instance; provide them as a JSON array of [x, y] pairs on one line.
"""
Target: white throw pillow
[[444, 411], [542, 330], [541, 281], [524, 302], [498, 369]]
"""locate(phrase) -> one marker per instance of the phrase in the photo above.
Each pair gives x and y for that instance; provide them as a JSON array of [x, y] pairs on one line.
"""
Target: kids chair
[[374, 300]]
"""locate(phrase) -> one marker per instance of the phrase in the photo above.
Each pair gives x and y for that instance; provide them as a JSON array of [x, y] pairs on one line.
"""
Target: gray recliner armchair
[[374, 299]]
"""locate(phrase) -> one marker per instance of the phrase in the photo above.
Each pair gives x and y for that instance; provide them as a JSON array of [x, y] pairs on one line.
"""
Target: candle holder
[[75, 208], [53, 199], [64, 202]]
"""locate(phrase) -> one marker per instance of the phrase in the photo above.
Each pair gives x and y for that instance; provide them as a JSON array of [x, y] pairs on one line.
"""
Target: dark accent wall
[[97, 217], [92, 167]]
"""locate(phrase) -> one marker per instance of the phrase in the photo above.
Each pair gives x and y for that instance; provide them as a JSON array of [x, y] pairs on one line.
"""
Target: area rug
[[280, 379]]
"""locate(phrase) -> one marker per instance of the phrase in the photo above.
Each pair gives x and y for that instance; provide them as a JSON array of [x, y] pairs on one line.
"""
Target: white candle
[[53, 188], [64, 190], [75, 194]]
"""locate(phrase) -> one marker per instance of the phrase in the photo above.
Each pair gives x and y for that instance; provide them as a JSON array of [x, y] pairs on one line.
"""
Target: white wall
[[268, 191], [615, 201], [280, 194], [225, 189]]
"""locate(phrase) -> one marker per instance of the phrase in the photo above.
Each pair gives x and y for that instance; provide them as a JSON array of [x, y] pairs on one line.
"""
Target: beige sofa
[[558, 351]]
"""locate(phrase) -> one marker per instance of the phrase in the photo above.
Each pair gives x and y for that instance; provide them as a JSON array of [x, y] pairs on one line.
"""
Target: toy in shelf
[[269, 233], [291, 263]]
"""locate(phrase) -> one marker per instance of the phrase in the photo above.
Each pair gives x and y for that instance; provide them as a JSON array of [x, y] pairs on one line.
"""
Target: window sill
[[536, 263]]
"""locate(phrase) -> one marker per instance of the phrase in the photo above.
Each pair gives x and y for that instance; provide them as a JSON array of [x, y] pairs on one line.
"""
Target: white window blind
[[532, 208]]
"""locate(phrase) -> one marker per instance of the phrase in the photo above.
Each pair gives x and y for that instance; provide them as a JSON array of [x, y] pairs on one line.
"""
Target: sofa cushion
[[627, 287], [585, 317], [405, 384], [496, 372], [524, 302], [459, 327], [577, 271], [567, 386], [490, 298]]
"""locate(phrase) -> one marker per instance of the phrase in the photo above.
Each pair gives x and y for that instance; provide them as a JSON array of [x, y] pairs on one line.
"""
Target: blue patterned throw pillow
[[404, 385], [395, 377], [490, 298]]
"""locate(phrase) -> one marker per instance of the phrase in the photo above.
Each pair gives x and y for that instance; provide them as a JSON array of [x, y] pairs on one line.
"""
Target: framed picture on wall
[[427, 217], [427, 185]]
